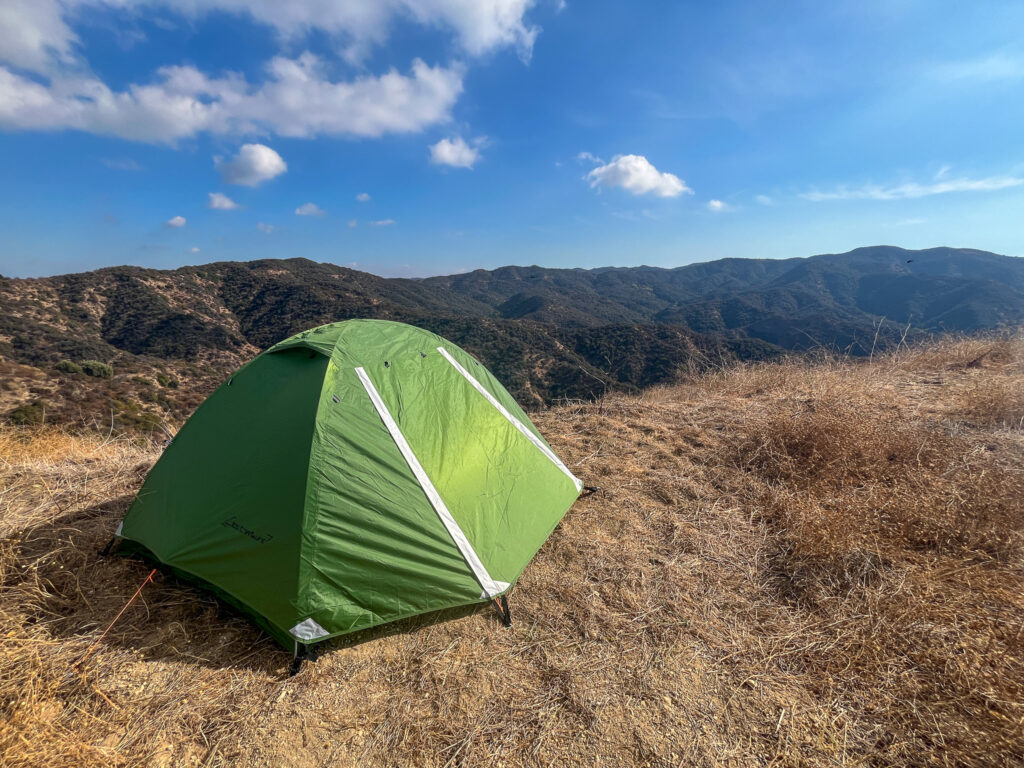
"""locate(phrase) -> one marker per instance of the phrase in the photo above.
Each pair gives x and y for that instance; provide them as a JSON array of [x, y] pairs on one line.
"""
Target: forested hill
[[547, 333]]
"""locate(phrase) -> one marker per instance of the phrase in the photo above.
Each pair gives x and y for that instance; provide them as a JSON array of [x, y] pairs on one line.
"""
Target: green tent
[[351, 475]]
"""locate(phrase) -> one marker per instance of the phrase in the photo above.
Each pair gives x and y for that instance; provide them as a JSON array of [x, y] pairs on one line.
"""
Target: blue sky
[[419, 137]]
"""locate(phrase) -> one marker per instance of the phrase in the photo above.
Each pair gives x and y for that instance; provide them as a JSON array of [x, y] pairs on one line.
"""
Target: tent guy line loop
[[77, 666]]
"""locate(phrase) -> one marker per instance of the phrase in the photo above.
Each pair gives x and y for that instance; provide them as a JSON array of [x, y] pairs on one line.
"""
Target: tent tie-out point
[[352, 475]]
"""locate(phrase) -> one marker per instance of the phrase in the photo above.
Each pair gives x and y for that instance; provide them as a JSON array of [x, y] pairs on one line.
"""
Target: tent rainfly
[[352, 475]]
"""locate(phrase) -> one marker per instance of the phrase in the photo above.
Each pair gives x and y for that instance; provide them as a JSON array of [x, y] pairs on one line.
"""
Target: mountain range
[[171, 335]]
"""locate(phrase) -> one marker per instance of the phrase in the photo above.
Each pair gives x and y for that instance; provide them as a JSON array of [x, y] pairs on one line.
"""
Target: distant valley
[[165, 338]]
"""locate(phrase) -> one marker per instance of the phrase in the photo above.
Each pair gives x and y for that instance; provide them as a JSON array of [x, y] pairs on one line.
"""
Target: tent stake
[[501, 606], [111, 546], [301, 651]]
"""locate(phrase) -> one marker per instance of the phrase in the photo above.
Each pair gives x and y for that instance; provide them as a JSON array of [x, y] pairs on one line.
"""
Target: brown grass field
[[806, 563]]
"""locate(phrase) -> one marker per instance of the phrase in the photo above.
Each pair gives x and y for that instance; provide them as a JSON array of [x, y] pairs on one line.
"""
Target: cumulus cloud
[[912, 190], [297, 97], [35, 32], [193, 249], [363, 197], [175, 222], [265, 228], [34, 35], [478, 26], [253, 165], [455, 152], [297, 100], [310, 209], [636, 175], [221, 202], [586, 157], [382, 223], [717, 206]]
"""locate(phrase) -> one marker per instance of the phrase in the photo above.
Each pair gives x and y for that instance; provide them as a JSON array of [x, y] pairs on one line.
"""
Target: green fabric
[[286, 494]]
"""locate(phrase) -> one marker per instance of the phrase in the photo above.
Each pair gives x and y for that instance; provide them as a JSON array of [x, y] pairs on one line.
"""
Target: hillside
[[549, 334], [787, 563]]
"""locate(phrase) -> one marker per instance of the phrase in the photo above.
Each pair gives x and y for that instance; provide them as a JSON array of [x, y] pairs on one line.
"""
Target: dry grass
[[787, 564]]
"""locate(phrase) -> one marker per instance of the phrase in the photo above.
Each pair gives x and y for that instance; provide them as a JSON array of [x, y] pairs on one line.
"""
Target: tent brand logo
[[260, 538]]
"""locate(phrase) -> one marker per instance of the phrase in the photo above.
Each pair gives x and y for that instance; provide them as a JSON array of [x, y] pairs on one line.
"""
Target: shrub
[[97, 369], [68, 366], [28, 414]]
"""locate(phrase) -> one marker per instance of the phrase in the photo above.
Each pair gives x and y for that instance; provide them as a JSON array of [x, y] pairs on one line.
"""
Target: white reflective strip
[[501, 585], [120, 527], [515, 422], [308, 630], [491, 587]]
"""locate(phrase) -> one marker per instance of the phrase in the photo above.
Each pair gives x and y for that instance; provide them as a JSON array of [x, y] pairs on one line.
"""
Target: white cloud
[[175, 222], [382, 223], [586, 157], [254, 164], [455, 152], [353, 222], [221, 202], [297, 97], [34, 35], [637, 176], [479, 26], [764, 200], [912, 189], [297, 100], [310, 209], [193, 249], [363, 197], [717, 206], [265, 228]]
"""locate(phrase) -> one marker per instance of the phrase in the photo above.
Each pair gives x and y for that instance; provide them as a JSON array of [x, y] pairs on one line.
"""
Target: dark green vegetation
[[546, 333]]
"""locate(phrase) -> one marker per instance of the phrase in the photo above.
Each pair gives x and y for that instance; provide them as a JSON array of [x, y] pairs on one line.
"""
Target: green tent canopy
[[352, 475]]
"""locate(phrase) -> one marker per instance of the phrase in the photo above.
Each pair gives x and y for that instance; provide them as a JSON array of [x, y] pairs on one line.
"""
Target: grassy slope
[[787, 564]]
